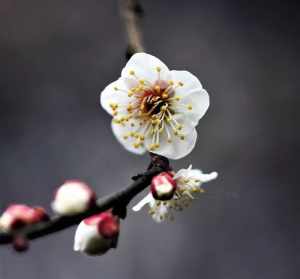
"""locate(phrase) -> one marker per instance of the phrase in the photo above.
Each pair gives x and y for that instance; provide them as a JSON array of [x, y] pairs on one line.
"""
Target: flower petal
[[122, 133], [146, 200], [115, 93], [194, 100], [145, 67], [178, 148]]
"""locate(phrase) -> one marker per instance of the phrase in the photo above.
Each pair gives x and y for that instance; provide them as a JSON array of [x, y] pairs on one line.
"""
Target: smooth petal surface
[[145, 67], [122, 133], [192, 95], [178, 148], [115, 93], [146, 200]]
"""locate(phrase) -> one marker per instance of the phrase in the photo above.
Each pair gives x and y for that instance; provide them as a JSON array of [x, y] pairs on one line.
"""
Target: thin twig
[[131, 13], [59, 223]]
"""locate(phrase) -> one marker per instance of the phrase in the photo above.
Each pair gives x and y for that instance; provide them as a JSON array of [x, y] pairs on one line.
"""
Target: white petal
[[191, 94], [178, 148], [146, 200], [112, 96], [190, 82], [121, 131], [195, 174], [145, 67], [206, 177]]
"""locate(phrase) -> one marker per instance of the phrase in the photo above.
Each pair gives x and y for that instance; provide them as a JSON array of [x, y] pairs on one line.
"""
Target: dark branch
[[122, 197], [131, 13]]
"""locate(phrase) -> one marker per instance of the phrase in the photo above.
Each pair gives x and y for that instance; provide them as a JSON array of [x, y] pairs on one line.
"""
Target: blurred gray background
[[55, 58]]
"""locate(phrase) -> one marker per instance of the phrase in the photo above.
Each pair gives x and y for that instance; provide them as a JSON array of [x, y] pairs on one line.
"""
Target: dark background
[[55, 58]]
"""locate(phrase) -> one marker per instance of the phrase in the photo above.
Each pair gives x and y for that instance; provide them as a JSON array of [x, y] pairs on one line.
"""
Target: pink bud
[[20, 215], [73, 197], [20, 244], [163, 186], [97, 234]]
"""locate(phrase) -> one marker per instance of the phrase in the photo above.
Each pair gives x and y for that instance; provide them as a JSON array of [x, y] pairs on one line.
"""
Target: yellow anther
[[129, 108], [142, 138], [165, 95], [171, 82], [136, 145], [182, 137], [131, 72], [157, 145], [116, 88], [189, 107], [177, 98], [180, 83], [158, 69], [142, 81], [169, 140], [125, 137], [115, 113], [179, 127]]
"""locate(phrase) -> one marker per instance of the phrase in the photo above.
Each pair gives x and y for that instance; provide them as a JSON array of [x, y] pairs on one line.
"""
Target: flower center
[[154, 100]]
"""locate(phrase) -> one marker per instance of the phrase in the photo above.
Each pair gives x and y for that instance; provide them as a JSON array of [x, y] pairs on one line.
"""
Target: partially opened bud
[[163, 186], [73, 197], [97, 234], [20, 215]]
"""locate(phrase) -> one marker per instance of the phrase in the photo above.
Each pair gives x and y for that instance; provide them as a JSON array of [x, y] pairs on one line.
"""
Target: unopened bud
[[163, 186], [97, 234], [17, 216], [73, 197]]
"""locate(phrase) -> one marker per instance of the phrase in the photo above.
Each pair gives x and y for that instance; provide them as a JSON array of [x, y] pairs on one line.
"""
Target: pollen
[[189, 107], [136, 145], [157, 88], [165, 95], [180, 83], [158, 69], [131, 72]]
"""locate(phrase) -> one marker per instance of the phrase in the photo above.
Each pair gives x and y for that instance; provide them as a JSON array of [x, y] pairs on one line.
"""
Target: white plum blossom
[[188, 182], [73, 197], [20, 215], [155, 109], [97, 234]]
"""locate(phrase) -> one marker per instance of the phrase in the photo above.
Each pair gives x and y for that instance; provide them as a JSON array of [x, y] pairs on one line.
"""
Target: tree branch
[[131, 13], [122, 197]]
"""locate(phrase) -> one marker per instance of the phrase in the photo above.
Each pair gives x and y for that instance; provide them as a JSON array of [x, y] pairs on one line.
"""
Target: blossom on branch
[[154, 108], [73, 197], [17, 216], [97, 234], [188, 182]]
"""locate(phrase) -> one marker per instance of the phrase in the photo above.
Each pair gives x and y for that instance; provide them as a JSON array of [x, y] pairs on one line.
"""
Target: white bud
[[73, 197], [163, 186], [97, 234]]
